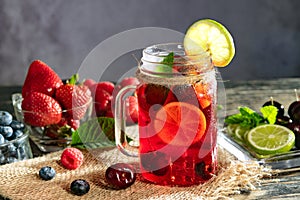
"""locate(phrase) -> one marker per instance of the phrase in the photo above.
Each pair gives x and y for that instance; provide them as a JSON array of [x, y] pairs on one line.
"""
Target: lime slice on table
[[270, 139], [240, 132], [209, 36]]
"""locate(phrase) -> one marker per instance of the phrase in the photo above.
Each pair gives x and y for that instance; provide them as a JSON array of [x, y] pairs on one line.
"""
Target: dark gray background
[[63, 32]]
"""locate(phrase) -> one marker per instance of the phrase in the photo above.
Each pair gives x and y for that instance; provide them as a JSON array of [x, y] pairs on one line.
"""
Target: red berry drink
[[177, 117]]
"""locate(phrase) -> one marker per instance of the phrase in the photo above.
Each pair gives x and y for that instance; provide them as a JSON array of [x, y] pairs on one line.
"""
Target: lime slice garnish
[[209, 36], [270, 139]]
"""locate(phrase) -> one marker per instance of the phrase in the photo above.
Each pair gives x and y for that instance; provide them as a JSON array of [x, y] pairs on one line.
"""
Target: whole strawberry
[[40, 109], [71, 158], [74, 98], [103, 97], [41, 78], [132, 114]]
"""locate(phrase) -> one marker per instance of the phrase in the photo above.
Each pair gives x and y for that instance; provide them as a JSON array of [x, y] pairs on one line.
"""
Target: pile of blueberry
[[13, 145]]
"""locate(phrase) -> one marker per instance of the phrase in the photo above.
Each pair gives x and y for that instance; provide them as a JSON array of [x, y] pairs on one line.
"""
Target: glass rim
[[176, 47], [19, 101]]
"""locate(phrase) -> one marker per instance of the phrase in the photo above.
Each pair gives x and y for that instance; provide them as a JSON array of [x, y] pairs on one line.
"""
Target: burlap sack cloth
[[21, 181]]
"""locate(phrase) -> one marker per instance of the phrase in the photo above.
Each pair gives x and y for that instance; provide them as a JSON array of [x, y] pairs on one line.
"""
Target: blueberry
[[16, 134], [22, 152], [2, 139], [6, 131], [47, 173], [5, 118], [80, 187], [11, 159], [2, 159], [16, 125]]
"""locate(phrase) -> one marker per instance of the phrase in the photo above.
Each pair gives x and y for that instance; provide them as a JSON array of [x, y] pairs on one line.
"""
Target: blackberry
[[47, 173], [80, 187]]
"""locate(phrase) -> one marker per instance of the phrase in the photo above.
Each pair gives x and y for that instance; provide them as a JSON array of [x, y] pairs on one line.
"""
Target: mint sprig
[[169, 60], [248, 118], [94, 133]]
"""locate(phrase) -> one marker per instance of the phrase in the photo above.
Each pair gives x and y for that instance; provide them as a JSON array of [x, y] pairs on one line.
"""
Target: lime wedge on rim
[[270, 139], [210, 36]]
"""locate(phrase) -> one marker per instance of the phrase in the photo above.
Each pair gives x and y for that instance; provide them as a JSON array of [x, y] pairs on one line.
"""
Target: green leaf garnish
[[169, 60], [269, 113], [94, 133], [73, 80], [247, 118]]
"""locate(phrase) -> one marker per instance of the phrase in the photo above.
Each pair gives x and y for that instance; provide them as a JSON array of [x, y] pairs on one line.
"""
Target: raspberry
[[71, 158]]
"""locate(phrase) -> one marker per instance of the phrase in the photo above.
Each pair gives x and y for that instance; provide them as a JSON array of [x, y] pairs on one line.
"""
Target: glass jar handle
[[120, 122]]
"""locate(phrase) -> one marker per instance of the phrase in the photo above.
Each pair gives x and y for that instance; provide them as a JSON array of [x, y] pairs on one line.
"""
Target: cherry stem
[[296, 93], [272, 101]]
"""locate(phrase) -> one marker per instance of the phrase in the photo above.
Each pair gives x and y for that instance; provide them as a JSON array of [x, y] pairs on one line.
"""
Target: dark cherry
[[155, 163], [278, 105], [294, 111], [283, 120], [203, 170], [120, 175], [295, 127]]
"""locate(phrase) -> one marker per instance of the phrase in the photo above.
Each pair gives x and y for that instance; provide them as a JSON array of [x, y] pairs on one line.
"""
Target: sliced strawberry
[[41, 78], [41, 109], [74, 98]]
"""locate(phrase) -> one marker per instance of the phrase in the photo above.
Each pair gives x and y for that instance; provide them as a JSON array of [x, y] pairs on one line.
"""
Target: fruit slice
[[240, 133], [270, 139], [209, 36], [180, 123], [204, 98]]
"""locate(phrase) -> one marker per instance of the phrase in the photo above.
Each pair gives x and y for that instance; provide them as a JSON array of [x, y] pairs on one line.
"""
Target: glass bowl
[[16, 150], [52, 137]]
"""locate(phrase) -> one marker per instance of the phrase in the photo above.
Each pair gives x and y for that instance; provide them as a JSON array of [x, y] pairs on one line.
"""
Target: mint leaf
[[168, 60], [269, 113], [247, 118], [94, 133]]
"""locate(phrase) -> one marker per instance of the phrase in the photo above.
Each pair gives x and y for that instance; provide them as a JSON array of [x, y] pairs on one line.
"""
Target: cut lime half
[[270, 139], [210, 36]]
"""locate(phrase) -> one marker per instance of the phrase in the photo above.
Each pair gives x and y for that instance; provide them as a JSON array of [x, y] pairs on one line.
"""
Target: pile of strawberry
[[47, 101], [58, 107], [104, 94]]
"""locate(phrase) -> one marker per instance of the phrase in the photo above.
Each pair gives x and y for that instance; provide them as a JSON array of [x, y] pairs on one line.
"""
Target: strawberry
[[125, 82], [89, 83], [103, 97], [41, 109], [41, 78], [105, 85], [74, 98], [132, 110], [102, 102], [71, 158]]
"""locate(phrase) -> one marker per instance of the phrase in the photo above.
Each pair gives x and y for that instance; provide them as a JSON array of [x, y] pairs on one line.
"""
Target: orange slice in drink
[[180, 124], [204, 98]]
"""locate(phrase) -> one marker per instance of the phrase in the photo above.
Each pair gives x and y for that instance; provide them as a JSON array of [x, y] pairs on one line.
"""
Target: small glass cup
[[177, 116], [52, 137], [16, 150]]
